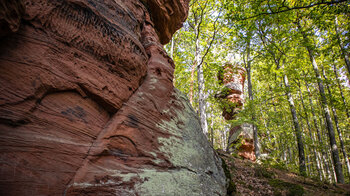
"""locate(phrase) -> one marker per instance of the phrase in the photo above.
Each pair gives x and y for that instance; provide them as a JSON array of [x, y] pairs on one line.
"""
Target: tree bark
[[335, 116], [211, 128], [172, 47], [319, 137], [266, 126], [301, 153], [330, 128], [342, 49], [251, 97], [201, 94], [341, 91], [195, 64], [310, 135], [192, 82]]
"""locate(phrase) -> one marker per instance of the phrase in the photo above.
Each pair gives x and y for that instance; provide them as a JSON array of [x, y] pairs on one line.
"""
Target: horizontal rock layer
[[87, 105]]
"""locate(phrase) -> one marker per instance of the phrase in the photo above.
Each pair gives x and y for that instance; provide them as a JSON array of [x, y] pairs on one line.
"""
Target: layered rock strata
[[232, 77], [87, 105]]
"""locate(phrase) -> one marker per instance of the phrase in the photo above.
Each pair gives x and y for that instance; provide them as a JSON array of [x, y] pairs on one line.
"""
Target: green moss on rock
[[231, 186]]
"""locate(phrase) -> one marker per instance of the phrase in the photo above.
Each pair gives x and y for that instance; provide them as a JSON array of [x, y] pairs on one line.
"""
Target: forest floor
[[253, 179]]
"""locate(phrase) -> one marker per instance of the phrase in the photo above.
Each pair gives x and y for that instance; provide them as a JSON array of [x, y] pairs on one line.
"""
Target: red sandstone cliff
[[87, 105]]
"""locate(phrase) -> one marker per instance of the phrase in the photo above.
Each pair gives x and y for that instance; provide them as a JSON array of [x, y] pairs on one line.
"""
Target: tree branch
[[286, 8], [212, 40]]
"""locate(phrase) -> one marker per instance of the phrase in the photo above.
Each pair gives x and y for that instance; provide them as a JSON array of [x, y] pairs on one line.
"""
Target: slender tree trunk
[[306, 149], [321, 165], [301, 153], [335, 153], [226, 135], [255, 128], [201, 97], [211, 128], [290, 155], [282, 145], [198, 64], [194, 65], [331, 163], [309, 165], [172, 55], [331, 173], [326, 159], [172, 47], [192, 82], [335, 116], [251, 97], [341, 90], [342, 49], [266, 126], [212, 134], [310, 134], [314, 117]]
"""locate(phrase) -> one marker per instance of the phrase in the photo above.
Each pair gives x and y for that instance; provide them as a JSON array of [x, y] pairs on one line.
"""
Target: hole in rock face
[[158, 72]]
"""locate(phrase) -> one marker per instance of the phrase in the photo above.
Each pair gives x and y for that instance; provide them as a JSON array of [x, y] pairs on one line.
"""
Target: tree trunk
[[301, 153], [333, 144], [194, 67], [211, 128], [319, 137], [226, 135], [310, 134], [320, 163], [172, 47], [251, 97], [201, 96], [341, 91], [342, 49], [201, 90], [266, 126], [212, 135], [309, 165], [335, 116]]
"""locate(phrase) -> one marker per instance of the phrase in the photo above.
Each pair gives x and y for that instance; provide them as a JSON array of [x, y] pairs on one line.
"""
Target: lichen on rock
[[87, 104]]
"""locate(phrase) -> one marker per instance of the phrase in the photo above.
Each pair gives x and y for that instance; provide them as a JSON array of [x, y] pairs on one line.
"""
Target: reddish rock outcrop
[[232, 77], [87, 105], [167, 16], [242, 137]]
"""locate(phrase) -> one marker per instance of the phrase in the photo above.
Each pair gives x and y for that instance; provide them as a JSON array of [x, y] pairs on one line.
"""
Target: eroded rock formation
[[87, 105], [242, 138], [232, 77]]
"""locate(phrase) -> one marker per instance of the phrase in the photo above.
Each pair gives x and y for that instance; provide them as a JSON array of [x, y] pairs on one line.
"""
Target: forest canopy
[[297, 90]]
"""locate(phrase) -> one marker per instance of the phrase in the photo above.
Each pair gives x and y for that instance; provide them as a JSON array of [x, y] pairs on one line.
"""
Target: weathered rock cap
[[167, 16]]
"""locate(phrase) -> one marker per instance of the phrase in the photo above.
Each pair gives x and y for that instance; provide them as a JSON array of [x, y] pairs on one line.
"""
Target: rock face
[[242, 137], [232, 77], [10, 16], [87, 105]]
